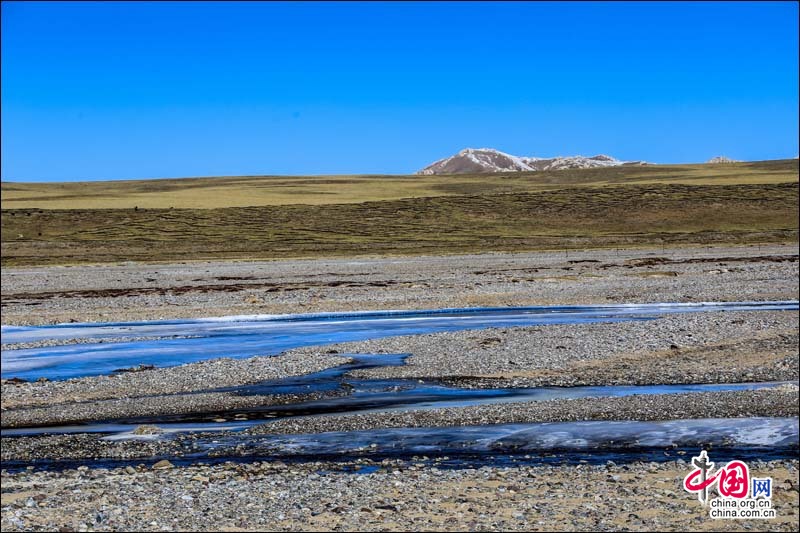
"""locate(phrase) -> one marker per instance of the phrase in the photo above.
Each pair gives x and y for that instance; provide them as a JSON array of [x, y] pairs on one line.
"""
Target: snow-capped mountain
[[480, 160], [722, 159]]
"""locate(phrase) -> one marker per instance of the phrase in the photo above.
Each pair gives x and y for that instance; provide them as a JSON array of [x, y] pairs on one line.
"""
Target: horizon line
[[323, 175]]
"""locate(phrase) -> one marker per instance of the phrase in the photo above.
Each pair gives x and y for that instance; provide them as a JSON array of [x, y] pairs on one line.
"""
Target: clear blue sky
[[138, 90]]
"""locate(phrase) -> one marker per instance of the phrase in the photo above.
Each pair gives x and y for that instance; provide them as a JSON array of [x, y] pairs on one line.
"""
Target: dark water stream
[[362, 396], [467, 445]]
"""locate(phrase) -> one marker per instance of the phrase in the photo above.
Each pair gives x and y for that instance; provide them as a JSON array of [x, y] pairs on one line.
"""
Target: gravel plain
[[48, 295], [710, 347], [397, 496], [682, 348]]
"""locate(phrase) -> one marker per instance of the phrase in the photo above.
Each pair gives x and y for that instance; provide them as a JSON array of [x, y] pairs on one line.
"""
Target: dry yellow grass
[[252, 191], [268, 217], [572, 217]]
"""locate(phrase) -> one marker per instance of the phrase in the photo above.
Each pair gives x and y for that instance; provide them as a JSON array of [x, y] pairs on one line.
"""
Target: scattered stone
[[162, 465]]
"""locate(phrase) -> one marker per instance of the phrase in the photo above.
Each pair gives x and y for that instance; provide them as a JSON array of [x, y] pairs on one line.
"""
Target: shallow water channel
[[219, 434], [246, 336]]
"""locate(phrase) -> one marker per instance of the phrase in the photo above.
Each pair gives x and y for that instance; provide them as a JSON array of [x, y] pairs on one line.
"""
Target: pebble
[[162, 464]]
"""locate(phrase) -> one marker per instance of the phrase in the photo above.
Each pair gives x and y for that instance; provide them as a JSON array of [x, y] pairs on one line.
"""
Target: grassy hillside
[[212, 193], [576, 216]]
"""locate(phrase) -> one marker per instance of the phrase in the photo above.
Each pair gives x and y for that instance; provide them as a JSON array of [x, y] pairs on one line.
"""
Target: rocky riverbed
[[781, 401], [131, 291], [682, 348], [712, 347], [394, 494]]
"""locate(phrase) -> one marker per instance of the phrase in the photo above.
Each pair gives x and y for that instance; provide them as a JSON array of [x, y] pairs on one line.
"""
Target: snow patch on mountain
[[722, 159], [484, 160]]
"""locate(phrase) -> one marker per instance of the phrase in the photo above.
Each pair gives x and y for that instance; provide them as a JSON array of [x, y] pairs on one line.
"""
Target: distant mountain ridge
[[722, 159], [484, 160]]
